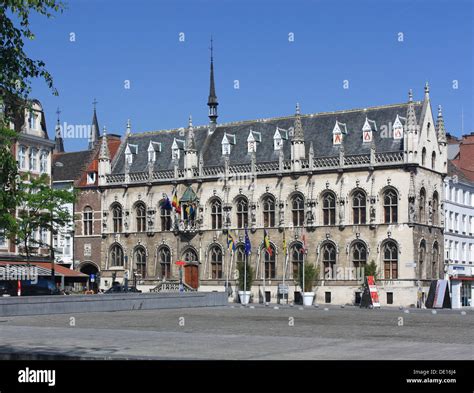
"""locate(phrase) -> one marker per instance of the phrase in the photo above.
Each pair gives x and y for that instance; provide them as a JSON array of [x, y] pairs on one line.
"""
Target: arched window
[[240, 254], [329, 256], [270, 263], [165, 217], [390, 206], [434, 212], [164, 255], [421, 260], [422, 206], [433, 160], [359, 254], [140, 262], [116, 255], [87, 220], [216, 262], [423, 157], [242, 212], [268, 212], [359, 207], [296, 259], [140, 211], [435, 261], [216, 214], [190, 256], [117, 217], [329, 208], [390, 260], [297, 209]]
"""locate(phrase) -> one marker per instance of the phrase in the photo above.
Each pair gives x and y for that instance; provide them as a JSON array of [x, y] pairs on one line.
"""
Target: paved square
[[235, 333]]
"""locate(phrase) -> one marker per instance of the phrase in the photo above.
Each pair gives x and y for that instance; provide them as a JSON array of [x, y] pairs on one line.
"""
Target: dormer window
[[91, 177], [337, 133], [177, 145], [153, 148], [398, 127], [252, 140], [278, 137], [227, 141], [32, 119], [368, 129], [130, 151]]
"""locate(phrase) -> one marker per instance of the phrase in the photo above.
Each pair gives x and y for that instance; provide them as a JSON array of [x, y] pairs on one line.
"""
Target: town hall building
[[339, 189]]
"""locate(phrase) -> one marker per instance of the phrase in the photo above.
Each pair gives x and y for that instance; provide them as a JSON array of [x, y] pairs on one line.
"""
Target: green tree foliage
[[371, 269], [40, 208], [17, 69], [250, 273], [310, 274]]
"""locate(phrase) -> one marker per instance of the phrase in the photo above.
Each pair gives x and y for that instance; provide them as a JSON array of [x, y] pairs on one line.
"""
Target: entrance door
[[191, 275], [93, 273]]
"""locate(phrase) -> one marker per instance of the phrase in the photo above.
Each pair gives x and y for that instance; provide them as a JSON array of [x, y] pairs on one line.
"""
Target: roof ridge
[[241, 122]]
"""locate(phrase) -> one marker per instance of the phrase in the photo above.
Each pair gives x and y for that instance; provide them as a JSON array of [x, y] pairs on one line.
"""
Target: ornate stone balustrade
[[262, 168]]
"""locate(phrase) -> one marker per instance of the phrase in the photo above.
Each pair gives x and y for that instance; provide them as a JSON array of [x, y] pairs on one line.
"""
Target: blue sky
[[358, 41]]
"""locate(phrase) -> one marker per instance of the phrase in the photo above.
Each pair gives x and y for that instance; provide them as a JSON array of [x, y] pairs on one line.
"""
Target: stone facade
[[330, 188]]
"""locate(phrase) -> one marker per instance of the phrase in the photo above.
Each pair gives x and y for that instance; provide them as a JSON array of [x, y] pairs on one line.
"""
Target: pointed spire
[[58, 139], [298, 133], [129, 128], [95, 130], [190, 142], [212, 100], [411, 116], [104, 147], [440, 130]]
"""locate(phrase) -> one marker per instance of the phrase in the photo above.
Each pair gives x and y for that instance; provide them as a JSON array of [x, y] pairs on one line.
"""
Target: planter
[[308, 298], [244, 297]]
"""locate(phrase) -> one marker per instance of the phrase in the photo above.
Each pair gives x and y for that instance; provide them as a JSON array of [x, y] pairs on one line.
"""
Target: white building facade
[[459, 237]]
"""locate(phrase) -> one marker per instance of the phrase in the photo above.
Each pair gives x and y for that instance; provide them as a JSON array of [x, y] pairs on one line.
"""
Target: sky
[[148, 61]]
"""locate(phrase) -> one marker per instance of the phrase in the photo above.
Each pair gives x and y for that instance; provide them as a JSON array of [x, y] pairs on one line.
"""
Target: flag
[[175, 203], [188, 211], [230, 242], [266, 241], [248, 246], [166, 204], [191, 212], [303, 249]]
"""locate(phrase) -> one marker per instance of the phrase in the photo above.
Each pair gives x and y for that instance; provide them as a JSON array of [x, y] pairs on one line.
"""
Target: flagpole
[[227, 276], [284, 274]]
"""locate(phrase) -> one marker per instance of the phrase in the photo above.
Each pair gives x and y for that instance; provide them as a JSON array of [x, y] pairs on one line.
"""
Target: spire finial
[[58, 112], [104, 146], [190, 122], [104, 131], [440, 129], [410, 95], [95, 102], [212, 100], [427, 91], [95, 130], [440, 111], [129, 127], [297, 108]]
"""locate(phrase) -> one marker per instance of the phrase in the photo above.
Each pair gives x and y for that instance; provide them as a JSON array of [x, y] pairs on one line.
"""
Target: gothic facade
[[349, 187]]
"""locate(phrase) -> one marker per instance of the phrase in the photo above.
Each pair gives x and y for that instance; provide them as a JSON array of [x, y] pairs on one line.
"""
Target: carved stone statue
[[341, 211], [411, 210]]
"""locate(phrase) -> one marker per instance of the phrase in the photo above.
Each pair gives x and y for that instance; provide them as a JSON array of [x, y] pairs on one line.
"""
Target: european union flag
[[248, 246]]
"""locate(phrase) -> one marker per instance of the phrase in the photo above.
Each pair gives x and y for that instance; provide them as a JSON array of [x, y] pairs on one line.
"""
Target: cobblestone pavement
[[234, 332]]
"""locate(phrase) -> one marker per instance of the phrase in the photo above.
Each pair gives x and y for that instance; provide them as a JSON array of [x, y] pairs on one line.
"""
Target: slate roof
[[68, 166], [317, 129], [453, 170]]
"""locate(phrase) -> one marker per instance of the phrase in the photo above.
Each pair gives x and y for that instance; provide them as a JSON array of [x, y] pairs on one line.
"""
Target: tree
[[371, 269], [40, 208], [242, 269], [16, 72], [17, 69], [310, 274]]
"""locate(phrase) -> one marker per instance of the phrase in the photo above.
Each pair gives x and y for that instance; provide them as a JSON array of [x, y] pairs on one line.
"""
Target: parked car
[[8, 288], [122, 289]]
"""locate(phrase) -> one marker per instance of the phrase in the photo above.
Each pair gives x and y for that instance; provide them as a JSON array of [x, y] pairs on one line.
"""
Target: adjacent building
[[459, 226]]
